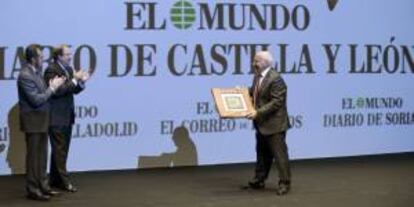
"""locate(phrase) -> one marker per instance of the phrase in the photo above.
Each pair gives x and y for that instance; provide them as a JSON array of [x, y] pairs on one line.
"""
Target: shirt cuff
[[74, 81], [52, 89]]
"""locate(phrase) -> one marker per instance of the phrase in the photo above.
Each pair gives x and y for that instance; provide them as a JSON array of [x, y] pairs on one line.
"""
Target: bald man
[[271, 121]]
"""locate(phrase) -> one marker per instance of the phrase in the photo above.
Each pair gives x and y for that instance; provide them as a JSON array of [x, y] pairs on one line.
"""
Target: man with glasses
[[62, 114]]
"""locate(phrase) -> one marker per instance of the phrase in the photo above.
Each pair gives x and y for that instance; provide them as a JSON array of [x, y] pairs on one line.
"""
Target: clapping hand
[[78, 74], [56, 82], [81, 75], [85, 76]]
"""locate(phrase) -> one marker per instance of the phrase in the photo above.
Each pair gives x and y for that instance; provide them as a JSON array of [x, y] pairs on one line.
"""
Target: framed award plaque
[[232, 102]]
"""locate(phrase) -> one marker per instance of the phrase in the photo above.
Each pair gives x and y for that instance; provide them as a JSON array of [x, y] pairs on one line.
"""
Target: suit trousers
[[60, 138], [36, 163], [270, 148]]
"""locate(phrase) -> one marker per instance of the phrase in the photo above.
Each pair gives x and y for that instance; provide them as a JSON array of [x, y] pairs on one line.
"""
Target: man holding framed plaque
[[265, 104], [271, 121]]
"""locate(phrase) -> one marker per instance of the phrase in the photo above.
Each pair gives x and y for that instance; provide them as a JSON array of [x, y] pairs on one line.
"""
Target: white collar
[[32, 68], [265, 71]]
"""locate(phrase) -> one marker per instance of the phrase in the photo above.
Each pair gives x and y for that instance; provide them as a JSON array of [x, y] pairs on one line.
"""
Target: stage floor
[[378, 181]]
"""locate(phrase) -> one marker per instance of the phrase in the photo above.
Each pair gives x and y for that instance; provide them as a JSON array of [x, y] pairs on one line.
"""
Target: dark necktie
[[256, 88], [67, 69]]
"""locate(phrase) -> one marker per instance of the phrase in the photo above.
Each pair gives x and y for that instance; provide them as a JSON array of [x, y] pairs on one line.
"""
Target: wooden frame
[[232, 102]]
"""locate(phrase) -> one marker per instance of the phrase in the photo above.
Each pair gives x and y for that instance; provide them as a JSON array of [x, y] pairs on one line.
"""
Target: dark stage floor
[[384, 180]]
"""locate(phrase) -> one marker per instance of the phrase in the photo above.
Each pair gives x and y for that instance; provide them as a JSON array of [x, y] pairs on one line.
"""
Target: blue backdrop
[[349, 70]]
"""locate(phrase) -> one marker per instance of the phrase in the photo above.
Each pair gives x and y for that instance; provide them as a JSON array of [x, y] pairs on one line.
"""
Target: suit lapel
[[37, 78], [67, 71], [265, 82]]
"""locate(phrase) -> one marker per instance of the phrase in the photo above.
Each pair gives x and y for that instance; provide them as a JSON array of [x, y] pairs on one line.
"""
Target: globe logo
[[182, 14], [360, 102]]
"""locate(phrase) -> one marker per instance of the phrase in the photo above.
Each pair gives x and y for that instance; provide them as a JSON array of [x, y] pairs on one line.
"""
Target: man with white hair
[[271, 121]]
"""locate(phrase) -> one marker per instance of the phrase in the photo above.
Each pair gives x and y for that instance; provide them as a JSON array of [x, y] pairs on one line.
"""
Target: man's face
[[66, 56], [38, 61], [259, 64]]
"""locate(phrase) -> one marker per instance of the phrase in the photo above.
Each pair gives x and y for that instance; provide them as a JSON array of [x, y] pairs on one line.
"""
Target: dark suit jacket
[[62, 106], [33, 101], [272, 116]]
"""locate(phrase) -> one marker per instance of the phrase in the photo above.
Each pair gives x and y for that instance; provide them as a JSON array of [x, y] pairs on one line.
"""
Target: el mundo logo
[[360, 102], [182, 14]]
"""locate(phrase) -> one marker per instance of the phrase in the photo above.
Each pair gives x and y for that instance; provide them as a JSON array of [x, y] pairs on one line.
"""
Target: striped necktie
[[256, 87]]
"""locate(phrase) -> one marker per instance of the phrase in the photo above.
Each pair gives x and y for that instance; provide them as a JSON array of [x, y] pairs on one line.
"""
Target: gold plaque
[[232, 102]]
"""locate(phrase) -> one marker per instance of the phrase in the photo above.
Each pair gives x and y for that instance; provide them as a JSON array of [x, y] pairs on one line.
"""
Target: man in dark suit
[[34, 121], [62, 114], [271, 121]]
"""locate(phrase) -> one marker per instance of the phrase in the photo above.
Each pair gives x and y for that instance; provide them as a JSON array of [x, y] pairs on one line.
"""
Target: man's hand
[[85, 76], [81, 75], [78, 74], [252, 115], [56, 82]]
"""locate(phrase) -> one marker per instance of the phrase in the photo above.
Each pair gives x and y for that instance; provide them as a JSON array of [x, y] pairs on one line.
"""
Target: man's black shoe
[[38, 197], [283, 188], [52, 193], [69, 187], [256, 183]]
